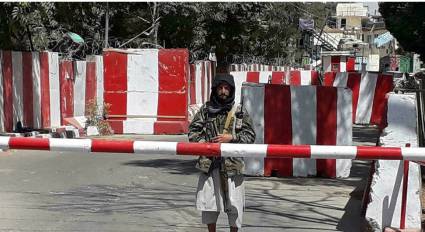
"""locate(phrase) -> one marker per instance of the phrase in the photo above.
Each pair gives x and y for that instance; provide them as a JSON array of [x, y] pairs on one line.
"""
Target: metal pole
[[107, 26], [419, 120], [422, 107], [404, 192]]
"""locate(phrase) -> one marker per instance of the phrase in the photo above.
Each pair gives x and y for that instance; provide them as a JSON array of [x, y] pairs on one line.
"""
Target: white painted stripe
[[207, 79], [18, 96], [305, 76], [206, 96], [254, 105], [343, 64], [54, 89], [413, 198], [243, 150], [155, 148], [332, 152], [1, 94], [366, 95], [413, 154], [341, 79], [4, 142], [344, 117], [198, 85], [287, 76], [139, 126], [264, 77], [239, 78], [99, 82], [36, 89], [80, 88], [304, 128], [344, 134], [143, 83], [77, 145], [326, 64]]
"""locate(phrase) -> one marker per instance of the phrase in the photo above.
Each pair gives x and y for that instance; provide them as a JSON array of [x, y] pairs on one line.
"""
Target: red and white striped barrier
[[201, 75], [214, 149], [238, 67], [293, 77], [299, 115], [254, 67], [303, 77], [338, 63], [139, 85], [95, 81], [369, 94], [29, 89], [81, 82]]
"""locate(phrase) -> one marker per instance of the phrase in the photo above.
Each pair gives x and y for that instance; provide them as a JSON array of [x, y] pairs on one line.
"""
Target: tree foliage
[[406, 21], [264, 32]]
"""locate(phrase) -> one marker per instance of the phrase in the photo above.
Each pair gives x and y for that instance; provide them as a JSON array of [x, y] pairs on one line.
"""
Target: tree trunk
[[30, 38], [155, 24]]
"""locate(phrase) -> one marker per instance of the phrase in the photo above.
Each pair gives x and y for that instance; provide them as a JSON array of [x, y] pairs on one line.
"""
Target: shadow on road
[[172, 166], [136, 199]]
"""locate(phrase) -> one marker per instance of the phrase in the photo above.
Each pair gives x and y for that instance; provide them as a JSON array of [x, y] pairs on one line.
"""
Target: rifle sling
[[228, 119]]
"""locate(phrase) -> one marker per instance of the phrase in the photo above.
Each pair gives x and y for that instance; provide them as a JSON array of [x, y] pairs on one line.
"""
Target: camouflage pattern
[[198, 132]]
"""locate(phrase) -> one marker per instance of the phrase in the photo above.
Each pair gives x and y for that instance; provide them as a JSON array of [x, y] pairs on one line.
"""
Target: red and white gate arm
[[215, 149]]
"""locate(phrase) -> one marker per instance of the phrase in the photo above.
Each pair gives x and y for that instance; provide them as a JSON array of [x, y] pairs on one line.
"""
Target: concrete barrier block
[[384, 209]]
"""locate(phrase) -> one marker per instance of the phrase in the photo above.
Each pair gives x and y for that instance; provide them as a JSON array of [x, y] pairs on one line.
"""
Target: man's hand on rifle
[[222, 138]]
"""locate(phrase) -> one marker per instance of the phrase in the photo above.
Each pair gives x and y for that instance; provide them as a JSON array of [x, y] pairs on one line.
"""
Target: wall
[[299, 115], [384, 209], [147, 90]]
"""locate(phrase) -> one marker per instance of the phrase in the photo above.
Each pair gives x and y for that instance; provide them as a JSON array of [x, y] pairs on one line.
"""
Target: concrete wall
[[384, 209]]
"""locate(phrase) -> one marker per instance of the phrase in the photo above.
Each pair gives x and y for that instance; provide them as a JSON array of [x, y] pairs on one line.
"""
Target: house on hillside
[[366, 38]]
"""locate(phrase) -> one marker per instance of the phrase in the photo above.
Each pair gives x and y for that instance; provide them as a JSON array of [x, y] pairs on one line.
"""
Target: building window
[[363, 37], [343, 23]]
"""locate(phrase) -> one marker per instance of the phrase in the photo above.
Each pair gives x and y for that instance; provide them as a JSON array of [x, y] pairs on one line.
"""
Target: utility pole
[[107, 25], [155, 24]]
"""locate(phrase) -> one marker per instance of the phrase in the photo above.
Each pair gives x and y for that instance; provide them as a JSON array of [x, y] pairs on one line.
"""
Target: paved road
[[62, 191]]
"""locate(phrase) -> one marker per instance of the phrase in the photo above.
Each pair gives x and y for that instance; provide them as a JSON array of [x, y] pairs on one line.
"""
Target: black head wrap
[[216, 105]]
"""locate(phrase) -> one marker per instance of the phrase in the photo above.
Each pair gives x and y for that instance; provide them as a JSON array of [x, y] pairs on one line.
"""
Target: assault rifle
[[211, 130]]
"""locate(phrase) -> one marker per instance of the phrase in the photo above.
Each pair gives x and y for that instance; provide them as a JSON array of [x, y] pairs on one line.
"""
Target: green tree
[[406, 22], [236, 31], [25, 26]]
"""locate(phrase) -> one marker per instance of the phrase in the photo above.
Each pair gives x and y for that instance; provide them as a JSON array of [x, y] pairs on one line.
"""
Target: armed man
[[220, 185]]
